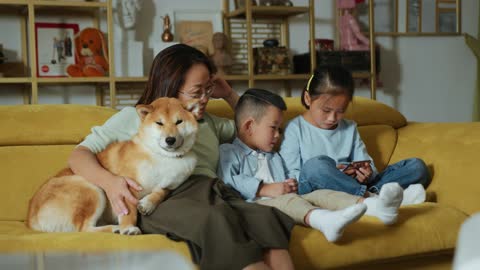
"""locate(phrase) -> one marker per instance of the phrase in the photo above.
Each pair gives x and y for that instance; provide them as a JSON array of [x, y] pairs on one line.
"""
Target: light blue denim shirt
[[238, 166]]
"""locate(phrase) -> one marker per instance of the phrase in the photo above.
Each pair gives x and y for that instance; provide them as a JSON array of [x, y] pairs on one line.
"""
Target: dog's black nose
[[170, 140], [85, 45]]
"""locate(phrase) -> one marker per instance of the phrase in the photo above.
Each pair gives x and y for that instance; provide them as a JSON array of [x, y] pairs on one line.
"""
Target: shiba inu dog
[[158, 157]]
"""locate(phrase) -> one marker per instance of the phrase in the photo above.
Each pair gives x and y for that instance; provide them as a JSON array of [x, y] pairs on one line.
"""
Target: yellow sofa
[[35, 141]]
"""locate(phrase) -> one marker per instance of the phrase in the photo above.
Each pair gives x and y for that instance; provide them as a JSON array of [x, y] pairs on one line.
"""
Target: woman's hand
[[223, 90], [118, 190]]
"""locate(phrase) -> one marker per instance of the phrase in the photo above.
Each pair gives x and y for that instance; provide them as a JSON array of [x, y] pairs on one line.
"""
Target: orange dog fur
[[158, 157], [90, 53]]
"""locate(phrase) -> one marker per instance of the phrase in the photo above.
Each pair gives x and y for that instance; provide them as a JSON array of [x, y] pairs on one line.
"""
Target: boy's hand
[[293, 185], [276, 189], [350, 171]]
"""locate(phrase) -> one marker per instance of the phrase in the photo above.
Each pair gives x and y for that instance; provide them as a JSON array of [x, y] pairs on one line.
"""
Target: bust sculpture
[[221, 57]]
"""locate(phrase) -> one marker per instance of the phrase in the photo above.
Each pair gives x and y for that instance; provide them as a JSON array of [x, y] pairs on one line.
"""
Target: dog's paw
[[145, 206], [116, 229], [133, 230]]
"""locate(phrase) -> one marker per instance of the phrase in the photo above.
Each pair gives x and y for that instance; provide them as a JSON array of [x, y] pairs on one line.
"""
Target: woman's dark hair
[[168, 70], [332, 80]]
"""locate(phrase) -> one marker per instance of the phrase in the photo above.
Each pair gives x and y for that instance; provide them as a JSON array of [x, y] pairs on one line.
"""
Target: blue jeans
[[321, 173]]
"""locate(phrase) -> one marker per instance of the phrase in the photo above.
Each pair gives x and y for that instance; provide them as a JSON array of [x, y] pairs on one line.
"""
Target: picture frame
[[196, 28], [55, 48]]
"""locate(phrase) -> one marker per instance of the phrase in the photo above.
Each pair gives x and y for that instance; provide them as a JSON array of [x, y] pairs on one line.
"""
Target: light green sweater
[[124, 125]]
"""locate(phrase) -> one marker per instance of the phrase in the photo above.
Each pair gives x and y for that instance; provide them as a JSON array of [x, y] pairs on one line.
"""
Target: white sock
[[414, 194], [332, 223], [385, 205]]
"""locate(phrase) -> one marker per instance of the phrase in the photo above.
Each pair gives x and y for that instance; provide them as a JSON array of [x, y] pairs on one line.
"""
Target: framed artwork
[[196, 28], [55, 48]]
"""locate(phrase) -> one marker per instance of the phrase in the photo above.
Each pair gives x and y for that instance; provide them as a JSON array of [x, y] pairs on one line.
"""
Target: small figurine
[[221, 57], [129, 9], [167, 35], [351, 38]]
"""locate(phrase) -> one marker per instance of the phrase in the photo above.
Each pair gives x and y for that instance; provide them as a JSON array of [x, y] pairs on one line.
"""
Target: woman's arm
[[84, 163]]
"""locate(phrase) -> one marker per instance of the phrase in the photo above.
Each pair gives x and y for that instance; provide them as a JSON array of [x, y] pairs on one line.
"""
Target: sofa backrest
[[35, 142]]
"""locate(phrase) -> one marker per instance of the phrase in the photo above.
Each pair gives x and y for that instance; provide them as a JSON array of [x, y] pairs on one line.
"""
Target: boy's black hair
[[254, 102]]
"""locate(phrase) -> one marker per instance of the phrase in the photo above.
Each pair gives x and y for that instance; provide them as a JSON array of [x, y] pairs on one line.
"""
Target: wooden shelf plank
[[13, 2], [15, 80], [236, 77], [68, 80], [268, 12], [281, 77], [131, 79], [361, 75]]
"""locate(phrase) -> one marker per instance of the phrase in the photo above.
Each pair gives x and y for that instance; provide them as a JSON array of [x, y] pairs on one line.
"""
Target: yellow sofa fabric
[[35, 141]]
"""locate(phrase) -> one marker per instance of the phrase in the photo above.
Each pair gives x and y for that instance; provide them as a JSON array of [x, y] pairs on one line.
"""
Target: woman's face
[[198, 84]]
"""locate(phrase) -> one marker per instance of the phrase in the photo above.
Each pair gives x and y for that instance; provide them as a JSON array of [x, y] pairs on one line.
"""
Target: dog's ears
[[143, 110], [192, 106]]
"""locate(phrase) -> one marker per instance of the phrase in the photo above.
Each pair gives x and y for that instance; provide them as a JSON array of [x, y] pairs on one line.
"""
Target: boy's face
[[266, 131]]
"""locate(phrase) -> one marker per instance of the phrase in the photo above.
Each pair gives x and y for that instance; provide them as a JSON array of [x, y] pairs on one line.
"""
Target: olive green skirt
[[222, 230]]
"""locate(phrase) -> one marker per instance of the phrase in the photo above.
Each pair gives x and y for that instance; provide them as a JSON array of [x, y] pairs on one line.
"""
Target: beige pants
[[297, 206]]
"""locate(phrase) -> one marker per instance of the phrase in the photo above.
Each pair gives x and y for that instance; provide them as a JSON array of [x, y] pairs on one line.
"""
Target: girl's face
[[198, 84], [265, 133], [326, 110]]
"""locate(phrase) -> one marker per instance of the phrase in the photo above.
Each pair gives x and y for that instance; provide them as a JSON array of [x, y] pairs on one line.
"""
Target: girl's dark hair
[[168, 70], [332, 80]]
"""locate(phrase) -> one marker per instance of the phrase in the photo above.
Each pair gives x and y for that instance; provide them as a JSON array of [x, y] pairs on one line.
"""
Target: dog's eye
[[178, 122], [159, 123]]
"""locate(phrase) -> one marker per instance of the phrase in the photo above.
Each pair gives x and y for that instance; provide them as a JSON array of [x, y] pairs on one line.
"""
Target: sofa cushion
[[22, 239], [451, 152], [427, 229], [380, 141]]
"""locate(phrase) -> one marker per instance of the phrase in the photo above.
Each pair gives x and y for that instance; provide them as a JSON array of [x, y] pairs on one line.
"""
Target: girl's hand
[[350, 172], [222, 88], [118, 191], [364, 173]]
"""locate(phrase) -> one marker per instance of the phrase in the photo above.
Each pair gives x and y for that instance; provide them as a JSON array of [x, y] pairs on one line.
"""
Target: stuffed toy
[[351, 38], [90, 53]]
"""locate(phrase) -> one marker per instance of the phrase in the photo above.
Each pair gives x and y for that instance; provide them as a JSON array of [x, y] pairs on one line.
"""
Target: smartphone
[[356, 164]]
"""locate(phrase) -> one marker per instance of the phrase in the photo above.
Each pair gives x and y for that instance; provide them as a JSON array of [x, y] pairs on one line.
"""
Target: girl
[[223, 231], [318, 143]]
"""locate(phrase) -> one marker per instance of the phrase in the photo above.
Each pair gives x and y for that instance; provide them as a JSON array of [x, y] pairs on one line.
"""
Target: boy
[[251, 167]]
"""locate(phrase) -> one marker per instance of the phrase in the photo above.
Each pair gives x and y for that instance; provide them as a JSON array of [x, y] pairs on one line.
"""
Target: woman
[[223, 231]]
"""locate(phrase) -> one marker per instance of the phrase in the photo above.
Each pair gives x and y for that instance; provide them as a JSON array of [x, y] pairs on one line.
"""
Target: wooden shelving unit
[[28, 9], [281, 14]]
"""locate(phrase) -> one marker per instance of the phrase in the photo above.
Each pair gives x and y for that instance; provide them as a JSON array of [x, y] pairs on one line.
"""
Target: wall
[[425, 78]]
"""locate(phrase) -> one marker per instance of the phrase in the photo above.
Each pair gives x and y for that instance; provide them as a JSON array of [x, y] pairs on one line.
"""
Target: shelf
[[361, 75], [14, 2], [68, 80], [259, 12], [281, 77], [14, 80], [131, 79]]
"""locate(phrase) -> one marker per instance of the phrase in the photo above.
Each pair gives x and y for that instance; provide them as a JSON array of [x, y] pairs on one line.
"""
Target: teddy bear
[[90, 53]]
